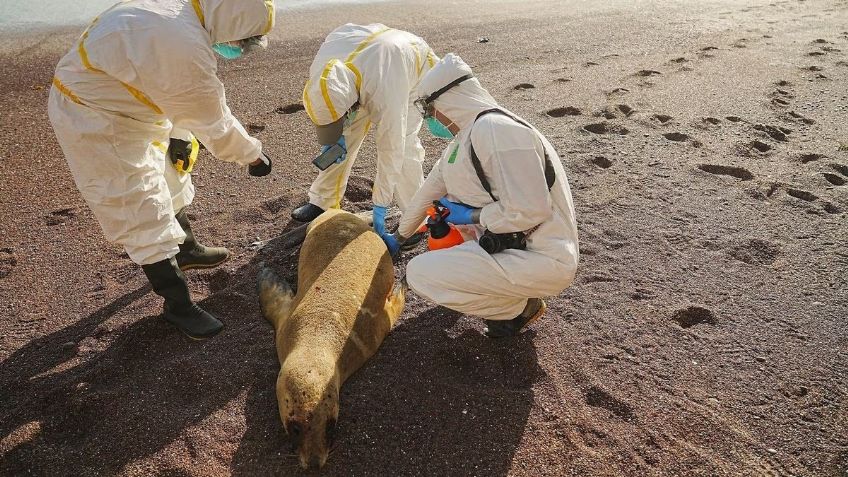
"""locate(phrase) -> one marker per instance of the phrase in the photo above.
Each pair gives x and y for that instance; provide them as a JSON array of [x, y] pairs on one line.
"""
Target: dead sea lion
[[346, 303]]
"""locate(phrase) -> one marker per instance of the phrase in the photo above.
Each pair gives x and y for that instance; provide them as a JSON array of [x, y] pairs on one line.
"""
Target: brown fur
[[345, 305]]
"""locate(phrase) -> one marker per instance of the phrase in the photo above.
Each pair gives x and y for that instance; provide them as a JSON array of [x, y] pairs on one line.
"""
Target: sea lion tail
[[275, 295]]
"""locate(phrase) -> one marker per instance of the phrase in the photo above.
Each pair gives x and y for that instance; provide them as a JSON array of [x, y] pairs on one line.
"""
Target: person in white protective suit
[[366, 75], [144, 71], [521, 191]]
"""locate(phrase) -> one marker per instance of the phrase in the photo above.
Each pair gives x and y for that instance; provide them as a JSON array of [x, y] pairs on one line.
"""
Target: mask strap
[[450, 85]]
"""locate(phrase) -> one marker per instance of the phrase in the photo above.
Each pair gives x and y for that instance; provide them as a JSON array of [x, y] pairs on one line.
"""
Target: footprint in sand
[[740, 43], [8, 261], [802, 194], [737, 172], [60, 216], [830, 49], [713, 121], [590, 63], [679, 60], [755, 252], [842, 63], [733, 119], [840, 169], [523, 86], [255, 128], [783, 83], [834, 179], [776, 133], [821, 41], [597, 397], [290, 109], [779, 102], [617, 92], [562, 112], [647, 73], [816, 53], [662, 118], [625, 109], [805, 158], [798, 118], [606, 128], [693, 316], [755, 147], [813, 68], [676, 137], [602, 162]]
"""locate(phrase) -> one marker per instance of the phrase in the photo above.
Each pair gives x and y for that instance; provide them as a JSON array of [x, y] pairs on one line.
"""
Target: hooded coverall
[[465, 277], [379, 67], [142, 72]]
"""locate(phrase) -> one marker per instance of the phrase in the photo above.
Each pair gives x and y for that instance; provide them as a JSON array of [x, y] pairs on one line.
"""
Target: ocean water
[[35, 13]]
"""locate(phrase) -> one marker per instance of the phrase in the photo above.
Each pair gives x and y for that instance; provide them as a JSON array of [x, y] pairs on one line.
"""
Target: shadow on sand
[[438, 398]]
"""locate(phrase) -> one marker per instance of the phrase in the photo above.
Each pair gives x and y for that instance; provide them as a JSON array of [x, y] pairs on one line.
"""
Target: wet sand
[[707, 149]]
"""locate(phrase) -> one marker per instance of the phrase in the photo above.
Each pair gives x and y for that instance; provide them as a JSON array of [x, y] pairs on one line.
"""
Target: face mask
[[227, 50], [438, 129]]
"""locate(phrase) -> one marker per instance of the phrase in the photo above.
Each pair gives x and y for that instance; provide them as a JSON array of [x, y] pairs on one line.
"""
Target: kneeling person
[[502, 182]]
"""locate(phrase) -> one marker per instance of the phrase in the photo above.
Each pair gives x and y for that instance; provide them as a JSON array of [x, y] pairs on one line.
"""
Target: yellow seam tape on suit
[[307, 102], [141, 97], [269, 4], [418, 65], [64, 90], [199, 11], [364, 43], [326, 92], [160, 146], [356, 73], [431, 58]]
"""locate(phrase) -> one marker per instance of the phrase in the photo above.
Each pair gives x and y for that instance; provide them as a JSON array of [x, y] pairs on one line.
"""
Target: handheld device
[[328, 157]]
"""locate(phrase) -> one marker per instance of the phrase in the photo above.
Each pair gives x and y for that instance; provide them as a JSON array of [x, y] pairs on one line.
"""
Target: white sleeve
[[415, 213], [512, 157], [185, 86]]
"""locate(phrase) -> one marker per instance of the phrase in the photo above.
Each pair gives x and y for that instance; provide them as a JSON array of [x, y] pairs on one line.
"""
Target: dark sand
[[705, 334]]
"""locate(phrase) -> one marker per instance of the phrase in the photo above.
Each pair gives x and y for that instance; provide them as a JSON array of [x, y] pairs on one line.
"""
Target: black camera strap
[[550, 173]]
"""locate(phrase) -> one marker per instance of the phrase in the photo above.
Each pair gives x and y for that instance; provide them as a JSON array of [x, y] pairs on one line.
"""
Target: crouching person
[[504, 188]]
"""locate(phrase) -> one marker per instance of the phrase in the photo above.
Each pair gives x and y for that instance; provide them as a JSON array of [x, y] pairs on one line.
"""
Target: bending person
[[143, 72], [513, 207], [363, 76]]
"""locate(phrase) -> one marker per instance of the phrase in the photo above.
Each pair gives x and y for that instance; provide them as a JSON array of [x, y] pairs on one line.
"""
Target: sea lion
[[346, 303]]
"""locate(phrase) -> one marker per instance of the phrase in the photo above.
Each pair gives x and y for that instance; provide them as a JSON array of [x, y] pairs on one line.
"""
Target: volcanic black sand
[[707, 149]]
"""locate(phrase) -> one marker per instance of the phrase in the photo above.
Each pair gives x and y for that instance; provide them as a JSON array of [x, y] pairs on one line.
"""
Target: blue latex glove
[[391, 243], [340, 142], [460, 214], [379, 220]]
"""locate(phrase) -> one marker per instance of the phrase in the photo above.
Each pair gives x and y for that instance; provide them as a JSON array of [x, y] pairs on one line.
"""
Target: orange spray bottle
[[442, 234]]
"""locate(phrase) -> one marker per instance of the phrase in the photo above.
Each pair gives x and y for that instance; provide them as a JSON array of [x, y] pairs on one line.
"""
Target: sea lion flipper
[[275, 294], [395, 301]]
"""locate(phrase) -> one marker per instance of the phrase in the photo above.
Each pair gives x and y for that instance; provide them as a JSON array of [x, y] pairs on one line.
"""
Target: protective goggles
[[425, 105]]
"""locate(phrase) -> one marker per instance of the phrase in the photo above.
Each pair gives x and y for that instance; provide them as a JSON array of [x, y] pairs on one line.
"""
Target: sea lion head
[[308, 398]]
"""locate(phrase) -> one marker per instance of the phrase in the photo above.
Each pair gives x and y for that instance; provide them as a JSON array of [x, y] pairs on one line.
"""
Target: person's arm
[[432, 189], [185, 86], [513, 158]]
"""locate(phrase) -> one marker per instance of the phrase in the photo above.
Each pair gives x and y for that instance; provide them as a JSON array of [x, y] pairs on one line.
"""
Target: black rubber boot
[[412, 241], [169, 282], [307, 212], [534, 309], [195, 255]]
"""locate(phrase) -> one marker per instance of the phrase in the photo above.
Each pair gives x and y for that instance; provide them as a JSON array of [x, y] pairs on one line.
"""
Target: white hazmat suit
[[466, 278], [142, 71], [380, 68]]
